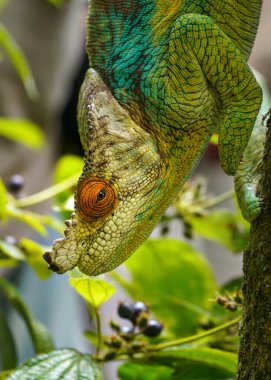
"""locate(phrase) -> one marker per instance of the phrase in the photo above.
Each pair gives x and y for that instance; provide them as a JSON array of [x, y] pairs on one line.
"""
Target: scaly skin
[[165, 75], [247, 175]]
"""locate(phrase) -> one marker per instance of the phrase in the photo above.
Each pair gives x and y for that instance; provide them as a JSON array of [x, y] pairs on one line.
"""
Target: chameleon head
[[120, 194], [109, 224]]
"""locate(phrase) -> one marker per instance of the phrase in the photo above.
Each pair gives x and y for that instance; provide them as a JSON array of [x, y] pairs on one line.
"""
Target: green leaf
[[54, 223], [175, 370], [33, 254], [205, 355], [28, 217], [6, 262], [66, 167], [189, 370], [8, 355], [222, 227], [19, 61], [95, 291], [5, 374], [174, 280], [3, 201], [139, 371], [64, 364], [11, 251], [22, 131], [40, 337], [92, 337]]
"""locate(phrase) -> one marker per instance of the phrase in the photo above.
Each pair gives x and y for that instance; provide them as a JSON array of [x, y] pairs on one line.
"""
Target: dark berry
[[110, 355], [138, 308], [10, 240], [125, 310], [153, 328], [165, 230], [15, 183], [116, 342], [126, 333]]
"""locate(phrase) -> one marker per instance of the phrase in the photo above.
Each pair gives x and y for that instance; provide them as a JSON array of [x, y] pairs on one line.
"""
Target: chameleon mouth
[[63, 256], [48, 258]]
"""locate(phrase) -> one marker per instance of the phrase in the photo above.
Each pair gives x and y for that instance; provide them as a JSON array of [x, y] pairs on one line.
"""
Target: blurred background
[[53, 39]]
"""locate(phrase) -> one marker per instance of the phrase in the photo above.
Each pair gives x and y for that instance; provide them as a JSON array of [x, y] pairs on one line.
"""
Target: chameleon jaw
[[64, 254]]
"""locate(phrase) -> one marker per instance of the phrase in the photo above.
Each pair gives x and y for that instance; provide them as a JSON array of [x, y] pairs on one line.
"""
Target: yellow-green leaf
[[11, 251], [22, 131], [3, 201], [33, 253], [29, 218], [66, 167], [40, 336], [95, 291], [19, 61]]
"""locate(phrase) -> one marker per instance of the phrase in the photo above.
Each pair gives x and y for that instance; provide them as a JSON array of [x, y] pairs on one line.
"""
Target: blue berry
[[138, 308], [15, 183], [125, 310], [153, 328]]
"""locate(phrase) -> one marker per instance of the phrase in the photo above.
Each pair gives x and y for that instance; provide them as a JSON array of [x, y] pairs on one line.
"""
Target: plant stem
[[192, 338], [219, 199], [47, 193], [99, 331], [178, 342]]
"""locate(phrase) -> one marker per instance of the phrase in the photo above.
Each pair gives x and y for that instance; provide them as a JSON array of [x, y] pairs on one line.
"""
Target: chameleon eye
[[95, 199], [101, 195]]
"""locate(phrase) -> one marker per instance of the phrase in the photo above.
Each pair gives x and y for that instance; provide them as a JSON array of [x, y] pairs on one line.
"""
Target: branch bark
[[255, 329]]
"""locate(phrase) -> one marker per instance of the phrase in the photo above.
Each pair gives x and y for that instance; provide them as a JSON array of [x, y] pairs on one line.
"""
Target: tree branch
[[255, 332]]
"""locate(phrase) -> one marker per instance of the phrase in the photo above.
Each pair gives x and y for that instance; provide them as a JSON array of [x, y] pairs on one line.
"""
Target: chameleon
[[164, 76]]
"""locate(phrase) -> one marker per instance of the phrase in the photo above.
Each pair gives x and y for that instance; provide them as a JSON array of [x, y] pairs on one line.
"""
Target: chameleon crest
[[164, 76]]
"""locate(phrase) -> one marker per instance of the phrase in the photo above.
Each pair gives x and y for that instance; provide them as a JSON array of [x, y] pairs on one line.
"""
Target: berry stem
[[123, 354], [192, 338]]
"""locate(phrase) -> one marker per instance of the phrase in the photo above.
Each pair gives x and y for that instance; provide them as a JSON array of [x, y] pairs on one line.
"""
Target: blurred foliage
[[57, 3], [22, 131], [17, 57], [199, 340]]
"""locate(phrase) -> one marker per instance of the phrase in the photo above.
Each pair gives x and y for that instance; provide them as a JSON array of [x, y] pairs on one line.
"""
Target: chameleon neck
[[119, 26]]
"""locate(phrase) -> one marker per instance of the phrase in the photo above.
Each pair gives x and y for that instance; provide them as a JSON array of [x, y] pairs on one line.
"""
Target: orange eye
[[95, 199]]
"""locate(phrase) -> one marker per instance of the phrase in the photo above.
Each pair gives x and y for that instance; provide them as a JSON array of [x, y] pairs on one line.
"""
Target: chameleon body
[[165, 75]]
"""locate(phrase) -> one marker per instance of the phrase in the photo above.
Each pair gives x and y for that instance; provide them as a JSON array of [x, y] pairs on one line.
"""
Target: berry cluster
[[231, 302], [140, 324]]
